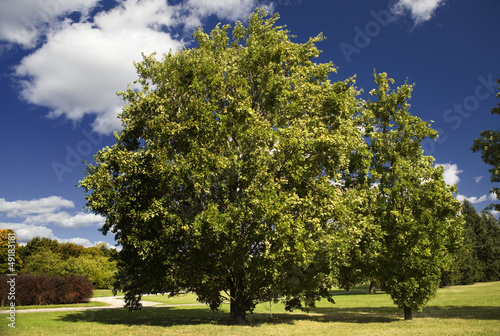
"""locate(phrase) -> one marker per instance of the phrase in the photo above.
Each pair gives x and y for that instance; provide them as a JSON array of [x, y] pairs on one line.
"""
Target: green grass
[[188, 298], [460, 310], [69, 305], [105, 292]]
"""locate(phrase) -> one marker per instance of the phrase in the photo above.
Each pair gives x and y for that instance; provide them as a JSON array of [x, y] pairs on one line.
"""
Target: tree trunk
[[237, 311], [373, 287], [408, 315]]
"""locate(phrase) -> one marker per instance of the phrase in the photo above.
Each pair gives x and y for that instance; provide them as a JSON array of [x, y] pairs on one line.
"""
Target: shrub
[[44, 289]]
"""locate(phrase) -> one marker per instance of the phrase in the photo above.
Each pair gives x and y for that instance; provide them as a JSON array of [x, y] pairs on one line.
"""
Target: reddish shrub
[[44, 290]]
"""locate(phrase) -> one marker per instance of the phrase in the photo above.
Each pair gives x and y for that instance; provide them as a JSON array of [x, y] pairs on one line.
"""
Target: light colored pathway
[[114, 302]]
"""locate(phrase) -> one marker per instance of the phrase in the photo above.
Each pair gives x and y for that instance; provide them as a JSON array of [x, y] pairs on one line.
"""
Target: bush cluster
[[44, 256], [45, 290]]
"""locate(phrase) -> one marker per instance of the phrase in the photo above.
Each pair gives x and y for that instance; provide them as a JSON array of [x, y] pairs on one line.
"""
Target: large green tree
[[414, 209], [488, 144], [222, 180]]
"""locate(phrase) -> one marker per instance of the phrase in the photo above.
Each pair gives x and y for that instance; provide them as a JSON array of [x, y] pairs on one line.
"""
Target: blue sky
[[62, 61]]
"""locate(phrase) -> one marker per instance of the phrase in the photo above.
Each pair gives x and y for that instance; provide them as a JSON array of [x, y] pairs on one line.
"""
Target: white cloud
[[450, 174], [478, 178], [45, 211], [420, 10], [25, 232], [224, 9], [65, 220], [39, 206], [80, 241], [83, 64], [24, 21], [473, 199]]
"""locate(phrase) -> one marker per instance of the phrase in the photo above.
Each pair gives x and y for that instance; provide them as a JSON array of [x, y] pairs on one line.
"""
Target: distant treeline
[[44, 256], [480, 258]]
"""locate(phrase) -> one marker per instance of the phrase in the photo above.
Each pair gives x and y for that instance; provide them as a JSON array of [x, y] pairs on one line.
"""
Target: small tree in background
[[415, 210]]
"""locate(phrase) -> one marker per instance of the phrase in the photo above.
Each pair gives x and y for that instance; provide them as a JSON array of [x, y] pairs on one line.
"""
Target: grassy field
[[105, 292], [459, 310], [69, 305]]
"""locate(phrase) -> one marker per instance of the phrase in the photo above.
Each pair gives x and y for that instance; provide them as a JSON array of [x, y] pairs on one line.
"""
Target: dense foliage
[[244, 174], [480, 259], [44, 256]]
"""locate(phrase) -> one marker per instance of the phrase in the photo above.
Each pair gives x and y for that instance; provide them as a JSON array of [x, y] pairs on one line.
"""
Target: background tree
[[99, 269], [68, 250], [44, 262], [106, 250], [38, 244], [49, 257], [467, 268], [221, 179], [5, 263], [489, 146], [415, 210], [486, 244]]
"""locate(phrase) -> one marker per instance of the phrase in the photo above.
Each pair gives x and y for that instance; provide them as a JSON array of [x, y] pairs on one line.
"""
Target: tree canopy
[[242, 173], [488, 144], [414, 209]]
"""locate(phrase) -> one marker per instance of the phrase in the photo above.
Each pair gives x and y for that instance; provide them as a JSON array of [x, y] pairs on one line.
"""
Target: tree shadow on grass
[[461, 312], [366, 315], [169, 316]]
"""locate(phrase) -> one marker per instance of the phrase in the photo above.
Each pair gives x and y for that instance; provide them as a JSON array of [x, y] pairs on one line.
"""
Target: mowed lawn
[[458, 310]]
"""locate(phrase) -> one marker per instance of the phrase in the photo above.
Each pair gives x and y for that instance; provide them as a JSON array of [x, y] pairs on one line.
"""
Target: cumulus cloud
[[478, 178], [81, 65], [26, 232], [23, 22], [65, 220], [46, 211], [473, 199], [224, 9], [450, 174], [420, 10], [80, 241], [39, 206]]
